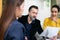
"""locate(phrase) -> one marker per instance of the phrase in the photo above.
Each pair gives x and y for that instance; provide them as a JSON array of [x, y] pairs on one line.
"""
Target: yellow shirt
[[50, 22]]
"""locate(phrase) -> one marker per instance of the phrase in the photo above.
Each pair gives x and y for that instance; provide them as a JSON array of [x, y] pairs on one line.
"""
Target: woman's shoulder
[[16, 24], [13, 27], [47, 19], [59, 20]]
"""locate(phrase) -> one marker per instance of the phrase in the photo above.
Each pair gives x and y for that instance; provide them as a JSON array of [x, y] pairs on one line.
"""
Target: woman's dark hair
[[8, 15], [56, 6]]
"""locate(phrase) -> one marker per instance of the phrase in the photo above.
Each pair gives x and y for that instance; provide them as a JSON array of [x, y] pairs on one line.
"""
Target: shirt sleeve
[[40, 30], [45, 24]]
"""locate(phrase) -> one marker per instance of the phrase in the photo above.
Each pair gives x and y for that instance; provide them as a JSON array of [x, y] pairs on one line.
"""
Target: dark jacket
[[15, 31], [36, 27]]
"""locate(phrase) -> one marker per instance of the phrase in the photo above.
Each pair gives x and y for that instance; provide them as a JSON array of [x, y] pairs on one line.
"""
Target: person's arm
[[45, 24], [40, 30], [25, 34]]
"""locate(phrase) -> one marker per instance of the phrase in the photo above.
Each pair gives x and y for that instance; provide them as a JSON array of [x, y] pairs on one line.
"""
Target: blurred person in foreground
[[10, 28]]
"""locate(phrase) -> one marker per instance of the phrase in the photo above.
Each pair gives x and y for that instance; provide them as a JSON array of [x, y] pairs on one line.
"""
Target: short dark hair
[[33, 6], [56, 6]]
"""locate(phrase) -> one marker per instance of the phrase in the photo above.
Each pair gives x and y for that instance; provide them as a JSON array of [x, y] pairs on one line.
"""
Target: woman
[[53, 21], [10, 28]]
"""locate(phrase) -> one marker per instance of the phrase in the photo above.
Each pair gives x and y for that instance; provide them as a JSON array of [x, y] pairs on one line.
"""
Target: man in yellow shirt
[[53, 21]]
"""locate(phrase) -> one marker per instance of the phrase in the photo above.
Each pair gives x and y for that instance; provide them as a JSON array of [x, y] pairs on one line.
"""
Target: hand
[[26, 38], [54, 38]]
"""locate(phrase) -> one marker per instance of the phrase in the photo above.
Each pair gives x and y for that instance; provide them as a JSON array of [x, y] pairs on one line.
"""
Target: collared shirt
[[28, 29]]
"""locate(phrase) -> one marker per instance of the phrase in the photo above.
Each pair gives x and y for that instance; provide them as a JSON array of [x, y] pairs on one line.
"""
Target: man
[[31, 24]]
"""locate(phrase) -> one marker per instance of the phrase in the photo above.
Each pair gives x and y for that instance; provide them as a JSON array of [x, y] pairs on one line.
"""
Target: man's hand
[[26, 38], [54, 38]]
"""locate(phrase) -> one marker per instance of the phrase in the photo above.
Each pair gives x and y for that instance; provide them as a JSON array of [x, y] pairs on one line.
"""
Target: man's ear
[[28, 12]]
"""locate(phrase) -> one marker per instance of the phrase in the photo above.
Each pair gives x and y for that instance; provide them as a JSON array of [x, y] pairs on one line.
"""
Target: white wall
[[58, 2], [44, 11]]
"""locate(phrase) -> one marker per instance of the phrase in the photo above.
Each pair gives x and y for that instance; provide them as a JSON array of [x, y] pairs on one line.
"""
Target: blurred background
[[43, 5]]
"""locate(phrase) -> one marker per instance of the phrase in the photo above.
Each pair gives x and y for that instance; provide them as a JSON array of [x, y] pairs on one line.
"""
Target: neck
[[54, 19], [29, 20]]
